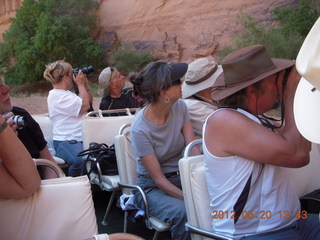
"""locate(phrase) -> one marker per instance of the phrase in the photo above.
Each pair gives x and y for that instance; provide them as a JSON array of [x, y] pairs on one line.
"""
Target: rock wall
[[7, 10], [180, 30]]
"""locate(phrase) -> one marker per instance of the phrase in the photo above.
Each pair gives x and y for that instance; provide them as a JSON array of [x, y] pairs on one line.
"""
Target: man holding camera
[[247, 155], [29, 131]]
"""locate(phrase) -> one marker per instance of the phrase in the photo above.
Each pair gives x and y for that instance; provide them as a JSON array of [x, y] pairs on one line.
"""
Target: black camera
[[19, 121], [85, 70]]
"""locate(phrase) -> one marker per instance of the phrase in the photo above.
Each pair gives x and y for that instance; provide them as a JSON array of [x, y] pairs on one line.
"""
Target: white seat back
[[62, 208], [125, 158], [196, 197], [45, 124], [102, 129], [307, 178]]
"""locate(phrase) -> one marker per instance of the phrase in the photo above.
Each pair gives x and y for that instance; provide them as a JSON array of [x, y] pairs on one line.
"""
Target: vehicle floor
[[115, 218]]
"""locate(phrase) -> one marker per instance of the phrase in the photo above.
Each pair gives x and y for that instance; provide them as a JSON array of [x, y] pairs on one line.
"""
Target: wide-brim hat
[[244, 67], [307, 97], [201, 74]]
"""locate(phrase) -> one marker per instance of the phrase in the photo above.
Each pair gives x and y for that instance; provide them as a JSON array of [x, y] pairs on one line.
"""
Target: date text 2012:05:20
[[285, 214]]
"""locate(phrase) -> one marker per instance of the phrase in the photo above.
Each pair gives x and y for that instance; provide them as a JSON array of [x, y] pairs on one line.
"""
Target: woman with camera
[[66, 110], [19, 177]]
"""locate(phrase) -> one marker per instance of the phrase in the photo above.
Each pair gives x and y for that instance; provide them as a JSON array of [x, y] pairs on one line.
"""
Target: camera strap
[[266, 120]]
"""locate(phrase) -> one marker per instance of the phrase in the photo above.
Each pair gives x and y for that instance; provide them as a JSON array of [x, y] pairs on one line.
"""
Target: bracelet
[[3, 126]]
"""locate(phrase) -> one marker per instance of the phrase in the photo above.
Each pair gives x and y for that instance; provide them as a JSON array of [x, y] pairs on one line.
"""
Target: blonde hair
[[56, 71]]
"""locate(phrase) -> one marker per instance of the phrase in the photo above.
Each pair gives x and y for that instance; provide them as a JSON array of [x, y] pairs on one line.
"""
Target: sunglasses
[[176, 82], [111, 69]]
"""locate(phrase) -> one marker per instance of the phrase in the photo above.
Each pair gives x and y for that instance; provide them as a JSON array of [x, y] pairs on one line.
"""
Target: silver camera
[[19, 121]]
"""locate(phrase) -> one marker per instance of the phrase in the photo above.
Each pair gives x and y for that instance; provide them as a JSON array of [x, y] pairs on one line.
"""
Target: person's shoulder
[[127, 90], [196, 102], [19, 111], [179, 105], [127, 93], [138, 119], [227, 116], [106, 99]]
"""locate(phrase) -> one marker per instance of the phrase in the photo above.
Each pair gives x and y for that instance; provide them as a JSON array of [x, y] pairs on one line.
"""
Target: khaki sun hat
[[244, 67], [307, 97], [201, 74]]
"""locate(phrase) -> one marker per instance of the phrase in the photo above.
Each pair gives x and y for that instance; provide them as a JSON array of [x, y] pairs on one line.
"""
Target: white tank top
[[261, 195]]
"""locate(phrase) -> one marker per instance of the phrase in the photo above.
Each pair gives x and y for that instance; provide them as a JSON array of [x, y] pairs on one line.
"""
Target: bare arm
[[82, 81], [188, 133], [231, 133], [45, 154], [19, 177], [153, 167]]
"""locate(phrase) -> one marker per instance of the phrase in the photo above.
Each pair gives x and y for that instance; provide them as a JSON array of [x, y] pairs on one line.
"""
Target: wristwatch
[[3, 126]]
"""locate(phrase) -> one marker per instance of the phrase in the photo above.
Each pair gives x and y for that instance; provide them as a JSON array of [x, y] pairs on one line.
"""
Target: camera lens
[[19, 121], [85, 70]]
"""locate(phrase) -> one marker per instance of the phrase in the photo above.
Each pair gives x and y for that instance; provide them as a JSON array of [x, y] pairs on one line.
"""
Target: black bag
[[311, 202], [104, 155]]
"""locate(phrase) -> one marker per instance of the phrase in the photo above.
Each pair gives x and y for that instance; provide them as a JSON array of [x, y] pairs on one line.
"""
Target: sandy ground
[[38, 104]]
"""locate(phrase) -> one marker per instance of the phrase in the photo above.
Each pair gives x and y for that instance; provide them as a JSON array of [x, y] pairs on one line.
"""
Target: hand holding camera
[[16, 122], [292, 82], [79, 77]]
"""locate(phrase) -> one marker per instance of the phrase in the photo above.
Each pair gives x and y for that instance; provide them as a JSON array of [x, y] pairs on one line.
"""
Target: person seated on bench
[[196, 90], [19, 177], [159, 132], [115, 96], [66, 110], [30, 133], [247, 155]]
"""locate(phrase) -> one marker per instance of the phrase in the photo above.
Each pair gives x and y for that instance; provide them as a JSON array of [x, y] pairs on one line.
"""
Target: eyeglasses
[[176, 82]]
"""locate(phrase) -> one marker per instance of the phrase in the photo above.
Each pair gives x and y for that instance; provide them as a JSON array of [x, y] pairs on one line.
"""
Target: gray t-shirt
[[166, 141]]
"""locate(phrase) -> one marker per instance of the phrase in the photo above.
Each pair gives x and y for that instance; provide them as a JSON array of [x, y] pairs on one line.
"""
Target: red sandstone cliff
[[177, 29]]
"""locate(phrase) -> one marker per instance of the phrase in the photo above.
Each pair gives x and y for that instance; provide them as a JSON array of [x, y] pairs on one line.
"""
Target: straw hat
[[244, 67], [307, 96], [201, 74]]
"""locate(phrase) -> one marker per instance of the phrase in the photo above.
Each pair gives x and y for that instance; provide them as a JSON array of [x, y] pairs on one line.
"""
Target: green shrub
[[126, 59], [45, 31], [298, 20], [283, 41]]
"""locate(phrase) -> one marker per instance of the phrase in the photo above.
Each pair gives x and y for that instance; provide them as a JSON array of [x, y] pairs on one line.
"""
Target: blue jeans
[[302, 229], [68, 150], [164, 207]]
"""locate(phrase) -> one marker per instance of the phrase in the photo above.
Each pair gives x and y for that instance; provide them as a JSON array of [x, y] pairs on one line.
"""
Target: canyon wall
[[181, 30]]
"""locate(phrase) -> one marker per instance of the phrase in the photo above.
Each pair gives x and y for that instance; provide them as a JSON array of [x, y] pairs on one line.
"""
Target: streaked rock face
[[180, 30]]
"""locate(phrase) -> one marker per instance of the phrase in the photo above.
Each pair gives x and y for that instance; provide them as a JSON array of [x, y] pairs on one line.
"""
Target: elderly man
[[196, 90], [115, 96]]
